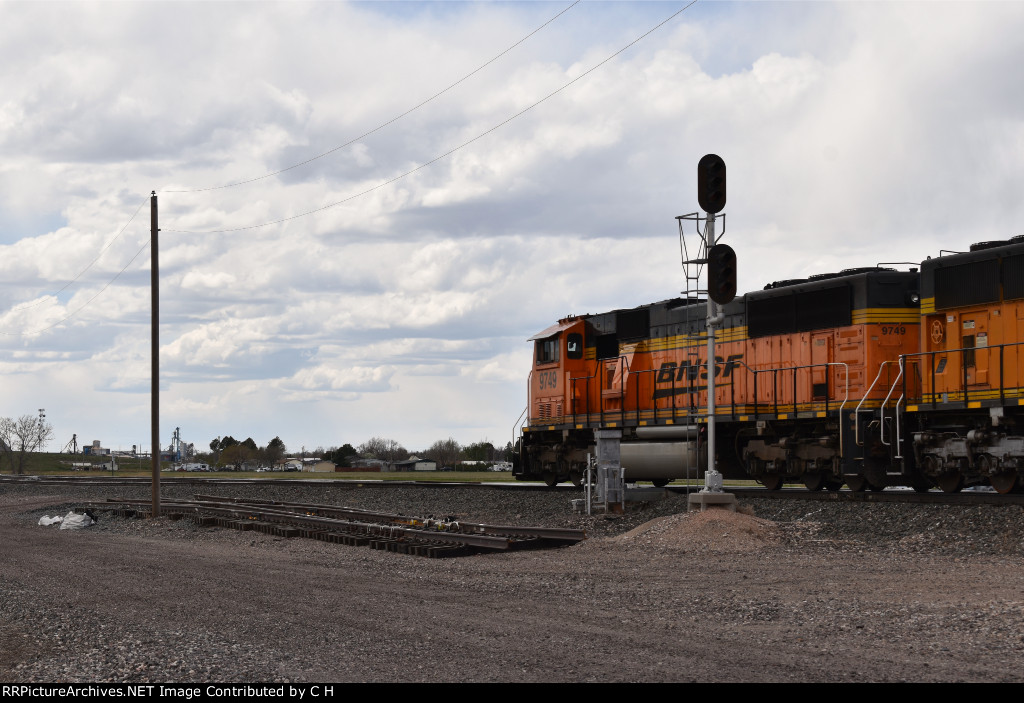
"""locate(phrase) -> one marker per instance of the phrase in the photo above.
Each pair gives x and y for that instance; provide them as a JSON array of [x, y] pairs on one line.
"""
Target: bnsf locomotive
[[869, 377]]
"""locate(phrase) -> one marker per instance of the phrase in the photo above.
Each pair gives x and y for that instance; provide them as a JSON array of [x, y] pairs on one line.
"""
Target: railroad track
[[428, 537], [892, 495]]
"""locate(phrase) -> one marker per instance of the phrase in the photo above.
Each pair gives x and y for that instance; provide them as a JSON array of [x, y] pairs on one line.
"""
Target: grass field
[[44, 464]]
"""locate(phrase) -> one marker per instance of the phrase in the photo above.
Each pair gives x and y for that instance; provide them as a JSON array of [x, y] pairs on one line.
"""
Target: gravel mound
[[718, 531]]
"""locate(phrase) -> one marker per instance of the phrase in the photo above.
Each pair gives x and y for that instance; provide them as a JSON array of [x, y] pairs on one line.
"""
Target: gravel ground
[[781, 591]]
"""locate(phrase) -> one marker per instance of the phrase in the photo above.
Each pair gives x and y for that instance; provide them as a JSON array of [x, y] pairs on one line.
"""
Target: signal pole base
[[702, 501]]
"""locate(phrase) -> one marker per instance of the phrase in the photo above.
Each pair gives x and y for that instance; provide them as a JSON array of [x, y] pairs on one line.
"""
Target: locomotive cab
[[558, 357], [557, 389]]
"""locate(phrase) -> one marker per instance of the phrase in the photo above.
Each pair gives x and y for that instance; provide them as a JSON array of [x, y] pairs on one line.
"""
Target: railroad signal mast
[[720, 260]]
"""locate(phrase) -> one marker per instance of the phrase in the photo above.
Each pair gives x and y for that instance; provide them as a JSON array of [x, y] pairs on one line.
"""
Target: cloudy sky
[[854, 133]]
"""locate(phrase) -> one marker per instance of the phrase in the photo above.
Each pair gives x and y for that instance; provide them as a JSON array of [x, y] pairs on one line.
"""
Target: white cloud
[[854, 133]]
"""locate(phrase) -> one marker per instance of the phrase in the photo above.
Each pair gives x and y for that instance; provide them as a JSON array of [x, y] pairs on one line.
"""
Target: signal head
[[721, 273], [711, 183]]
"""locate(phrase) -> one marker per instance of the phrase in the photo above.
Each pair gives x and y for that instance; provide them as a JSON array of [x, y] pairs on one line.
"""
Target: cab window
[[547, 350], [574, 346]]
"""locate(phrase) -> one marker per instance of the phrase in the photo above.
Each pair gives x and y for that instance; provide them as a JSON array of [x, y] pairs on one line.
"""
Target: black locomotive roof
[[821, 301], [872, 287], [990, 272]]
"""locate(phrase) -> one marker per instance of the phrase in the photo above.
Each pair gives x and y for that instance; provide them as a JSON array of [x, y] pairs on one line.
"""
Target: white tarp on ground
[[46, 520], [74, 521]]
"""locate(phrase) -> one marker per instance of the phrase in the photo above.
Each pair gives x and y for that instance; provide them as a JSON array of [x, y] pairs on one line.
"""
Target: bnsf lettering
[[684, 372], [548, 380]]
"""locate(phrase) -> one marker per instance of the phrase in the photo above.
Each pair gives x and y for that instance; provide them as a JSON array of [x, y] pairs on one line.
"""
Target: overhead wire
[[356, 195], [450, 151], [383, 124], [85, 304], [89, 266], [289, 168]]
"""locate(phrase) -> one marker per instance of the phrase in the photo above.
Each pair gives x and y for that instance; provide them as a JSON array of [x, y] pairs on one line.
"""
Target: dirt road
[[712, 597]]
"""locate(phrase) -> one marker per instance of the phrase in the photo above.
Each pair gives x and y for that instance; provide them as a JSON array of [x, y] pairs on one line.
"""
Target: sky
[[476, 197]]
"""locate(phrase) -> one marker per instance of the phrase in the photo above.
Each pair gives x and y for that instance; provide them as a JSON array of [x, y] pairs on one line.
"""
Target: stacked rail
[[429, 537]]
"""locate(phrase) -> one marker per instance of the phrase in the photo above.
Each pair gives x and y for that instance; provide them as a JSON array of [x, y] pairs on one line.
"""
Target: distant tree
[[387, 450], [237, 454], [444, 452], [249, 442], [343, 455], [21, 436], [275, 451], [479, 451]]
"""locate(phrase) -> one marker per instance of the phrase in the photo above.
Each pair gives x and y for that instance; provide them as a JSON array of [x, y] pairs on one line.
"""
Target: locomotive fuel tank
[[662, 453]]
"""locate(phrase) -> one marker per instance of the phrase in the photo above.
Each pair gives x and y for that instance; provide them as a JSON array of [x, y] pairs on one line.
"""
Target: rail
[[428, 536]]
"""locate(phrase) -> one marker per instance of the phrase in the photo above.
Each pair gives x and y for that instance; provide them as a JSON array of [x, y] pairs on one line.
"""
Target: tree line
[[446, 453]]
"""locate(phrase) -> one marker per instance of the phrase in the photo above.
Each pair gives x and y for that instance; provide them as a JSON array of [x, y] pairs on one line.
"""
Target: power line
[[85, 304], [303, 163], [450, 151], [82, 272], [384, 124], [352, 197]]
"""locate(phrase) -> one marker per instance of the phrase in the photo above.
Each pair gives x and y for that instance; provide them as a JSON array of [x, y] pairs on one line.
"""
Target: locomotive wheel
[[1004, 482], [660, 482], [772, 482], [549, 479], [857, 484], [814, 481], [950, 482], [875, 487], [577, 479], [833, 484], [920, 485]]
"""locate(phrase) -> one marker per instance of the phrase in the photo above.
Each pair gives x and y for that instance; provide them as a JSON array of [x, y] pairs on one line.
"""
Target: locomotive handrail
[[896, 411], [572, 391], [931, 360], [856, 413], [794, 369], [655, 405], [529, 391], [622, 406], [517, 431]]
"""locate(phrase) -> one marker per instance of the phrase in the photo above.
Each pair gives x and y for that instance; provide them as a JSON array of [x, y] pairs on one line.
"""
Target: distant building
[[318, 465], [414, 463], [368, 465], [95, 449]]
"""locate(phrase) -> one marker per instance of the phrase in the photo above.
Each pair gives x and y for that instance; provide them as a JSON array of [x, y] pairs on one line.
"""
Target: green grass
[[47, 464]]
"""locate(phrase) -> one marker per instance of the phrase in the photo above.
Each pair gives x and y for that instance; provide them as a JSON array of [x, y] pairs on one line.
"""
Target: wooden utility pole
[[154, 413]]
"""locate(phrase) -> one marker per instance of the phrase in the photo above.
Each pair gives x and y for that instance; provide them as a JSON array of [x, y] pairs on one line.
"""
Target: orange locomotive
[[964, 414], [817, 381]]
